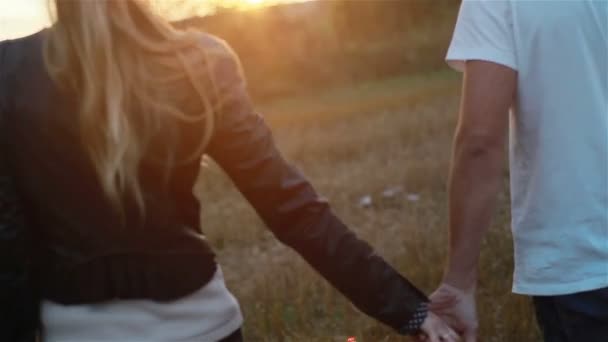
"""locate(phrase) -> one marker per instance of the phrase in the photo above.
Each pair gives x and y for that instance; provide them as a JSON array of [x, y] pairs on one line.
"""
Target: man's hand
[[436, 330], [457, 308]]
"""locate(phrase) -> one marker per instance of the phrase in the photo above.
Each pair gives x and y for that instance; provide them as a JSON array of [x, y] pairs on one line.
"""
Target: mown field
[[355, 142]]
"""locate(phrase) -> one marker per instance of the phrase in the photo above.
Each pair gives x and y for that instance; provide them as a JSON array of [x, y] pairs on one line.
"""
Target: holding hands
[[435, 329], [456, 307], [452, 316]]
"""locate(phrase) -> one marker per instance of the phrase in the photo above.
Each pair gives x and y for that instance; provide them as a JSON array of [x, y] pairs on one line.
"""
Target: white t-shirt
[[559, 133], [206, 315]]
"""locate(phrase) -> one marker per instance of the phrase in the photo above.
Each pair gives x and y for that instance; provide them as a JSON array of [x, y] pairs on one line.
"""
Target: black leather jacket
[[85, 253], [19, 302]]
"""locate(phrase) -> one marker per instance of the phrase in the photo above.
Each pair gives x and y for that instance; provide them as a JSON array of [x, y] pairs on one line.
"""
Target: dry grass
[[350, 143]]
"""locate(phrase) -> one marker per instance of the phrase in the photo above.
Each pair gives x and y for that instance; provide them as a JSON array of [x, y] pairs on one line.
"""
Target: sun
[[253, 3], [249, 4]]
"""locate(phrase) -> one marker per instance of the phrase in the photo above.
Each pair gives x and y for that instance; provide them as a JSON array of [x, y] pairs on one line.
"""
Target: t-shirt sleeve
[[483, 31]]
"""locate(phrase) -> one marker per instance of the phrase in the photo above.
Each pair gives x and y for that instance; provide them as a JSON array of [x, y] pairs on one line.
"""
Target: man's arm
[[475, 180], [477, 164]]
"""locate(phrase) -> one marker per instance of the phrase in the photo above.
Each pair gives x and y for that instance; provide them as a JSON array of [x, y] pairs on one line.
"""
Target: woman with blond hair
[[105, 118]]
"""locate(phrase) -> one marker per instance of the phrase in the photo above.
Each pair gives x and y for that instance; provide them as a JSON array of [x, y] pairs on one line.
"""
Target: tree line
[[297, 47]]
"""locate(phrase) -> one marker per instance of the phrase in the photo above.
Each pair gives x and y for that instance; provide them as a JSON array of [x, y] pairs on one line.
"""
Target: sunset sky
[[22, 17]]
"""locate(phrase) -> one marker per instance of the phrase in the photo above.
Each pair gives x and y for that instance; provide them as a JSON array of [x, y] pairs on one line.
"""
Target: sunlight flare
[[252, 3]]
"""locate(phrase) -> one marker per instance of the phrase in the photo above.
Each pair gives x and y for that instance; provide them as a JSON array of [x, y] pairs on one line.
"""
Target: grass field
[[352, 143]]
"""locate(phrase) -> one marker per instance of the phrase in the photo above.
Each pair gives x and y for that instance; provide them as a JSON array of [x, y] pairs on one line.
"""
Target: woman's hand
[[436, 330]]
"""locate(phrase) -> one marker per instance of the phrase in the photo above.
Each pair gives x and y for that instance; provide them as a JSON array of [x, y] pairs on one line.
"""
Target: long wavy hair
[[130, 70]]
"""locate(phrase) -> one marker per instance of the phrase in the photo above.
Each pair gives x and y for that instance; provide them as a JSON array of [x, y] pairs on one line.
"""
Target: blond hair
[[128, 67]]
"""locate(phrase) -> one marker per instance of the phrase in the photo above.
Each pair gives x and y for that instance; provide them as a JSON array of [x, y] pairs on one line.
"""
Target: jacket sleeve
[[243, 146], [19, 314]]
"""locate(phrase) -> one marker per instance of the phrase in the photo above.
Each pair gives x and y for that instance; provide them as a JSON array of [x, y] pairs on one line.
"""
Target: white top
[[207, 315], [559, 133]]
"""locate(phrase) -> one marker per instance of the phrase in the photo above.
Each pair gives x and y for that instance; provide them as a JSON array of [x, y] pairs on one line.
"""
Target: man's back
[[559, 133], [559, 149]]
